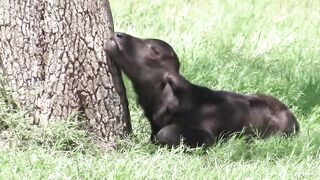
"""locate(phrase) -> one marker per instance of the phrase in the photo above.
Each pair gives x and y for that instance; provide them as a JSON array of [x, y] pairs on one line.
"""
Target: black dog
[[178, 109]]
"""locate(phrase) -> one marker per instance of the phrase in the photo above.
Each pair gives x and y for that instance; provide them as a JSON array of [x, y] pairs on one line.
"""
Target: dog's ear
[[168, 96], [170, 80], [168, 105]]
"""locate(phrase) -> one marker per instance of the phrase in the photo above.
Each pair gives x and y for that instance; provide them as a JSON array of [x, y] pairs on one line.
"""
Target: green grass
[[265, 46]]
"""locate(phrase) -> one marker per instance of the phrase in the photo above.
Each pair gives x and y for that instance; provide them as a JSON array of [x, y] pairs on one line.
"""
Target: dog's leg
[[174, 134]]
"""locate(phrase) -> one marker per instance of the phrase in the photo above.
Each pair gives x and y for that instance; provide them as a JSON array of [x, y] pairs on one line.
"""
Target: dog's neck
[[148, 94]]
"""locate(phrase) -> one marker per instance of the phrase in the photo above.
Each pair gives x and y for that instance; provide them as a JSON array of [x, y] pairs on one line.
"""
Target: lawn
[[257, 46]]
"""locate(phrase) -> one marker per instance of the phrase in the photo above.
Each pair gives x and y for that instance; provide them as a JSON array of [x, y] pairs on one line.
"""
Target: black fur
[[178, 109]]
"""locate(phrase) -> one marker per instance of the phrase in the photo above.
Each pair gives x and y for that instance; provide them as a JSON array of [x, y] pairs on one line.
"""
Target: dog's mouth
[[112, 47]]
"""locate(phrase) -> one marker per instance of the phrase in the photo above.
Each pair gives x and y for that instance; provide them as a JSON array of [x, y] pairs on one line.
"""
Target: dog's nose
[[119, 34]]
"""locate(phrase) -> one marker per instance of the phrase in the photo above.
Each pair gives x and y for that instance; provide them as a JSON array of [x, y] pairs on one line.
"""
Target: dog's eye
[[153, 50]]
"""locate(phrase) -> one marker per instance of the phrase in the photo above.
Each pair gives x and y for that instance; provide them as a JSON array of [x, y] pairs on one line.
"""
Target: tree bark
[[52, 55]]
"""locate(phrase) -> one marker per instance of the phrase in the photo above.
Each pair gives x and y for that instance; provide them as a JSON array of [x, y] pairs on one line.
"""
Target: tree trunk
[[52, 55]]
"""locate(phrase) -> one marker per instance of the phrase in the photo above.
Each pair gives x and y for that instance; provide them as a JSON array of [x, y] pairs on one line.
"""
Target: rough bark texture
[[52, 54]]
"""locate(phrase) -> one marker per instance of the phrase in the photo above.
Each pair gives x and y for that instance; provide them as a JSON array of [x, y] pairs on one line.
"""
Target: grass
[[266, 46]]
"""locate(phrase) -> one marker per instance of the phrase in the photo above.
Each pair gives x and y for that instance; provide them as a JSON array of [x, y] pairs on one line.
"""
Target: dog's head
[[142, 59]]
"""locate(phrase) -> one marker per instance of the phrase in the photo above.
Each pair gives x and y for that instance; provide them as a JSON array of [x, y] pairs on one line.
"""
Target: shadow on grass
[[310, 97], [303, 146], [272, 149]]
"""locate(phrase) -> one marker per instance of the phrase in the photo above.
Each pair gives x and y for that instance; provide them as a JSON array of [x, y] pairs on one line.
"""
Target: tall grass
[[265, 46]]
